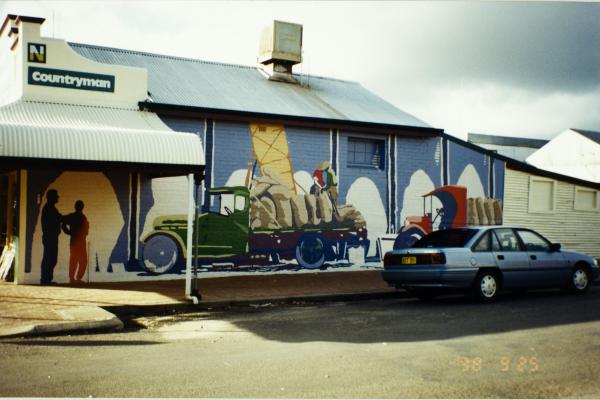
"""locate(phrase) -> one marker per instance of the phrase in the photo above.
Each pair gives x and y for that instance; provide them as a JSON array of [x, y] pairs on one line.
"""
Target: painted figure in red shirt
[[77, 226]]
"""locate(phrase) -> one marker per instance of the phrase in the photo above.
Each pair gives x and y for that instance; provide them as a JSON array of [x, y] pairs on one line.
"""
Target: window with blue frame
[[366, 153]]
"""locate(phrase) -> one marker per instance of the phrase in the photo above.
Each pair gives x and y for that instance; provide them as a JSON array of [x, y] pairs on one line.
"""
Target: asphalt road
[[542, 344]]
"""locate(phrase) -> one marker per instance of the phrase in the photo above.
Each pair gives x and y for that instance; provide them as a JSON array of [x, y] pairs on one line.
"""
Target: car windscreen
[[446, 238]]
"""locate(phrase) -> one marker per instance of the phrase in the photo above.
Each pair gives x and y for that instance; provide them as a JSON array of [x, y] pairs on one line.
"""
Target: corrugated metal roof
[[592, 135], [516, 152], [197, 83], [478, 138], [30, 129]]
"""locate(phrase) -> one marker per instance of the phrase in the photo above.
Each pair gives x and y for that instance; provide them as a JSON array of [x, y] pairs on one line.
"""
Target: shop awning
[[94, 137]]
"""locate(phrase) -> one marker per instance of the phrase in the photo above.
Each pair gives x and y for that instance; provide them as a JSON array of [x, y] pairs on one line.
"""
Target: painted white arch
[[470, 179], [104, 216], [412, 200], [237, 178], [364, 195], [170, 198]]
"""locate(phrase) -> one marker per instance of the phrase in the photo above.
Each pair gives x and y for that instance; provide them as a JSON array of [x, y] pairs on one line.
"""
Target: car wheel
[[580, 280], [486, 286]]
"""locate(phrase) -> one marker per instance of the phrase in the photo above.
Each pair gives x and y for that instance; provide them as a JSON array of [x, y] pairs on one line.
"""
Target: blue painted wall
[[461, 156], [228, 150], [499, 169], [232, 150], [308, 148], [413, 155]]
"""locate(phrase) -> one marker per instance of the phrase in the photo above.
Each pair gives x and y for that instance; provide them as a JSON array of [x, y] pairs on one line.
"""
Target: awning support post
[[189, 294]]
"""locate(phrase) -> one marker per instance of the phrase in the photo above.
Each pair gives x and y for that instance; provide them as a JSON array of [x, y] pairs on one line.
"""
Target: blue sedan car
[[486, 259]]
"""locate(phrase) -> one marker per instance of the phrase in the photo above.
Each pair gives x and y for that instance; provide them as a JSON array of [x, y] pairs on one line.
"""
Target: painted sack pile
[[482, 211], [274, 205]]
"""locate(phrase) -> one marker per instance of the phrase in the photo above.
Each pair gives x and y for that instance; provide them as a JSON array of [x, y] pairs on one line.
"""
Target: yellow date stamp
[[503, 364]]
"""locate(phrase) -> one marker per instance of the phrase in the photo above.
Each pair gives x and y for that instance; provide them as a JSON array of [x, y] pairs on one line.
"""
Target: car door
[[546, 268], [512, 260], [482, 251]]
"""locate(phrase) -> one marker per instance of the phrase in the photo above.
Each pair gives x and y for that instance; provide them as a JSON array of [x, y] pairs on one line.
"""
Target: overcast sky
[[528, 69]]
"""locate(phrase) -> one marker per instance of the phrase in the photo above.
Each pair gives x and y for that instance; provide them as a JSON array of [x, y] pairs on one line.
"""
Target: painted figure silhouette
[[51, 220], [77, 226]]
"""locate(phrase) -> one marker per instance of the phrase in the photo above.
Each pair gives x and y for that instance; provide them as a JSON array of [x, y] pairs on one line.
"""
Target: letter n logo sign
[[36, 53]]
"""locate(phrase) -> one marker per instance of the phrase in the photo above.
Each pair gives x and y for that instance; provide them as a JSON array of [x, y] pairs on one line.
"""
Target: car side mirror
[[554, 247]]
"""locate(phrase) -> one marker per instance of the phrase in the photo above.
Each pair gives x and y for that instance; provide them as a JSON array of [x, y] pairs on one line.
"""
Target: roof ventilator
[[280, 49]]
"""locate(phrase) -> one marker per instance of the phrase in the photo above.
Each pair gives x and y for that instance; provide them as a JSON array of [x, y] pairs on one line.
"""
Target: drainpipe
[[189, 294]]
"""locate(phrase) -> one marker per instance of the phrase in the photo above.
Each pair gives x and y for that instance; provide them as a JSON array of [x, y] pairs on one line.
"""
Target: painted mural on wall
[[76, 221], [76, 226], [269, 220], [275, 199], [452, 209]]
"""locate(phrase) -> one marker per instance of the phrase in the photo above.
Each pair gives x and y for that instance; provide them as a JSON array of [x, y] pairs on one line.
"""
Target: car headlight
[[595, 262]]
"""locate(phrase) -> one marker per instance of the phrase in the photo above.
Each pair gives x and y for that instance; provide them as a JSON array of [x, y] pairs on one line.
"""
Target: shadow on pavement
[[82, 343], [412, 320]]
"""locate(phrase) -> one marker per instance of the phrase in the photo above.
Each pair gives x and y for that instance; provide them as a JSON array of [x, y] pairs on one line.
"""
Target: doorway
[[8, 224]]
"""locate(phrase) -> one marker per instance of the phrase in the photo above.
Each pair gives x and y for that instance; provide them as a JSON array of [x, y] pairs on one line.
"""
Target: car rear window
[[446, 238]]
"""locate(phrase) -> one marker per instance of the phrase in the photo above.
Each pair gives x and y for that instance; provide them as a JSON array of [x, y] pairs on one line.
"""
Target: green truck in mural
[[225, 235]]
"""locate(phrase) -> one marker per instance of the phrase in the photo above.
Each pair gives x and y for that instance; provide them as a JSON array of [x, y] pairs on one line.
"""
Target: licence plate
[[409, 260]]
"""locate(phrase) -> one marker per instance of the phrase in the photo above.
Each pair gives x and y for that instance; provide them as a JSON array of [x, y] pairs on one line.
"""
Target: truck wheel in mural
[[160, 254], [310, 251], [408, 235]]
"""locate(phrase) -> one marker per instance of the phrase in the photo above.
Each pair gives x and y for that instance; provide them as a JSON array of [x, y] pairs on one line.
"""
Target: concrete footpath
[[34, 310]]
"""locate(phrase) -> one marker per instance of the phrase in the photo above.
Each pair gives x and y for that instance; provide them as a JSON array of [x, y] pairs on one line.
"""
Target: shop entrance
[[8, 224]]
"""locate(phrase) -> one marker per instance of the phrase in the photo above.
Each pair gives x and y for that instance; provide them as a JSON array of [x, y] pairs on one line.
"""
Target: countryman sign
[[70, 79]]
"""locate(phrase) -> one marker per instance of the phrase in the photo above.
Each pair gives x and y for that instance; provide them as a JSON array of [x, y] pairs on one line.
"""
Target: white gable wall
[[130, 83], [574, 229], [570, 153]]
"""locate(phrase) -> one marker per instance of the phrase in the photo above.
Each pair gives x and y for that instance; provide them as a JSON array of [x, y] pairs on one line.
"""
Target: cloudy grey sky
[[529, 69]]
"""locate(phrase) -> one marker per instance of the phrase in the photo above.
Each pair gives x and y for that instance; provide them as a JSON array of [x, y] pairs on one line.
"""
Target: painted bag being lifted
[[264, 222]]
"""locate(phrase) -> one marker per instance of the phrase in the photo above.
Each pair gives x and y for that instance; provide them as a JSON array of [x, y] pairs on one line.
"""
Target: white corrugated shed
[[40, 130], [574, 152], [575, 229]]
